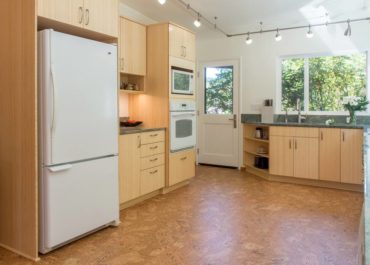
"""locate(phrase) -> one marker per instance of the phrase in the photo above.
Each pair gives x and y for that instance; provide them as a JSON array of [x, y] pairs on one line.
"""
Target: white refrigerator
[[78, 138]]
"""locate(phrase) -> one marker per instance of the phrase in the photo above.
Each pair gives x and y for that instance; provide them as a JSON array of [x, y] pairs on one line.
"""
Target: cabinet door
[[189, 43], [182, 166], [306, 158], [176, 35], [351, 156], [132, 47], [329, 166], [101, 16], [129, 167], [281, 160], [66, 11]]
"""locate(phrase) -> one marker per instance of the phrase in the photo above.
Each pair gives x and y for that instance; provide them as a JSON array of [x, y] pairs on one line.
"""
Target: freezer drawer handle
[[60, 168]]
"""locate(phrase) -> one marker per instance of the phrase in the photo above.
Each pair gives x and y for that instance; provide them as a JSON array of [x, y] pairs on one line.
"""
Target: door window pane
[[219, 90], [292, 83]]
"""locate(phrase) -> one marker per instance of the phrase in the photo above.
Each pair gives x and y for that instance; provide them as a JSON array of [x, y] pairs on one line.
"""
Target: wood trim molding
[[18, 134]]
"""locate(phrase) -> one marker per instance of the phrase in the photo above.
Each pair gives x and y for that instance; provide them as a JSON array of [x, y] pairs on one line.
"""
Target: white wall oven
[[182, 81], [183, 124]]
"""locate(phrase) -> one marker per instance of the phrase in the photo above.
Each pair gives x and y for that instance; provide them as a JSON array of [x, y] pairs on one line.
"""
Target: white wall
[[130, 13], [259, 60]]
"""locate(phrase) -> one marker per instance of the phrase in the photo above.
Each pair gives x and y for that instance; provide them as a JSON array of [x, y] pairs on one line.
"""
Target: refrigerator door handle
[[53, 98], [60, 168]]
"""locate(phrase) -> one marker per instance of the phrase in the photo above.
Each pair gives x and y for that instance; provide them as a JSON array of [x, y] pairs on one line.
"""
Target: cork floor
[[225, 217]]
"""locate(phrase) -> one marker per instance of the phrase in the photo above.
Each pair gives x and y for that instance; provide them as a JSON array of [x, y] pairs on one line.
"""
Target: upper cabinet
[[132, 48], [182, 43], [96, 15]]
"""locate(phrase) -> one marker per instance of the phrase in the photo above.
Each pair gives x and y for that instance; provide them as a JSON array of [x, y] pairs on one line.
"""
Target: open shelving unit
[[252, 146]]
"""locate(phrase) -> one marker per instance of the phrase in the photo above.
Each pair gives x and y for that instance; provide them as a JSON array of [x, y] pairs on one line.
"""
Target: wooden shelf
[[257, 154], [132, 91], [256, 140]]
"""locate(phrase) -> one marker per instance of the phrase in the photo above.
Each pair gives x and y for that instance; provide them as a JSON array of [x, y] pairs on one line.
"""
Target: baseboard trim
[[308, 182], [175, 187], [36, 259], [133, 202]]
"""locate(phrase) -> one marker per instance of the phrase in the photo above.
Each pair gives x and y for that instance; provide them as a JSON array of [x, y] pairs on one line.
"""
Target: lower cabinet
[[141, 164], [294, 157], [329, 154], [182, 166]]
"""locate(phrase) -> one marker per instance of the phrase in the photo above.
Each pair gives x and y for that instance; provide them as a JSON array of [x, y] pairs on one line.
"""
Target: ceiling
[[235, 16]]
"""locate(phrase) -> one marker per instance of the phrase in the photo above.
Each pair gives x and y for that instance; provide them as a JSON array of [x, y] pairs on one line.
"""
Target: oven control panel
[[182, 105]]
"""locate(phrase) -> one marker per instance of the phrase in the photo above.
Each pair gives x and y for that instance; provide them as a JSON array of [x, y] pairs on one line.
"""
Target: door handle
[[234, 119], [296, 145], [322, 136], [81, 11], [290, 144], [87, 14], [138, 141], [60, 168]]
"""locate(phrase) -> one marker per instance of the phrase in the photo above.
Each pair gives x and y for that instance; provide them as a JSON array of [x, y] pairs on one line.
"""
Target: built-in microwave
[[182, 81]]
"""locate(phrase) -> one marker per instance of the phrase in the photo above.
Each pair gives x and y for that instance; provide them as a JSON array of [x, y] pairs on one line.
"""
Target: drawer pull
[[80, 9], [153, 160], [154, 147], [154, 135], [184, 158], [153, 172]]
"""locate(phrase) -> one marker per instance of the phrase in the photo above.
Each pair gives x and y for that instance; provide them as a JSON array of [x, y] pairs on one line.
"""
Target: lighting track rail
[[299, 27]]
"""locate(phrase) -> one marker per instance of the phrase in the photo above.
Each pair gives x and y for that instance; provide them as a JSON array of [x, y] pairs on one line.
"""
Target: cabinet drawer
[[151, 180], [152, 149], [152, 161], [282, 131], [307, 132], [182, 166], [152, 137]]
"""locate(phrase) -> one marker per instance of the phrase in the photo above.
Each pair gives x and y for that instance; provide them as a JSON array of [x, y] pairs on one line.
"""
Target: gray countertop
[[132, 130], [314, 125]]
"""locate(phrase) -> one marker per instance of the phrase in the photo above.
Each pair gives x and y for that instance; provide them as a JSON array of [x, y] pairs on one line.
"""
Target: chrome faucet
[[300, 117]]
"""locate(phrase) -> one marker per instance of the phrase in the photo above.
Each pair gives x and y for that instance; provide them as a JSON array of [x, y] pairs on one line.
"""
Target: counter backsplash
[[310, 118]]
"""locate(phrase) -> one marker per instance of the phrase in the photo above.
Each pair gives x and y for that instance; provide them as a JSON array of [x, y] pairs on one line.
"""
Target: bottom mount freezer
[[77, 199]]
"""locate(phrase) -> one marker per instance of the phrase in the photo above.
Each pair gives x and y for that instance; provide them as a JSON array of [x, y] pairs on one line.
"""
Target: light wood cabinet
[[182, 166], [129, 167], [96, 15], [182, 43], [329, 168], [281, 156], [132, 47], [294, 152], [141, 164], [306, 158], [351, 156], [66, 11]]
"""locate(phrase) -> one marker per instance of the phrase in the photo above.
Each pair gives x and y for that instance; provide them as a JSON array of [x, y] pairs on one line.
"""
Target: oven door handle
[[183, 114]]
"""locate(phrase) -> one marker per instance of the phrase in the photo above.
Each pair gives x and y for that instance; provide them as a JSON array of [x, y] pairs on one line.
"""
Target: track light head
[[348, 31], [309, 32], [278, 37], [197, 22], [248, 40], [162, 2]]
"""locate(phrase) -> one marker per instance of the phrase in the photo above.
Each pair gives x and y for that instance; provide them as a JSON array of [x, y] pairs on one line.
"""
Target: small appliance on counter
[[267, 111], [126, 122]]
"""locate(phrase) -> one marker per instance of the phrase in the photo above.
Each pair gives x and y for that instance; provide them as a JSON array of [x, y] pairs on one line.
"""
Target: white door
[[84, 84], [218, 113]]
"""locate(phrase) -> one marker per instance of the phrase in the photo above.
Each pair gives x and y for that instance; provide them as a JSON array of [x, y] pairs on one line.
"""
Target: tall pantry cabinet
[[20, 20]]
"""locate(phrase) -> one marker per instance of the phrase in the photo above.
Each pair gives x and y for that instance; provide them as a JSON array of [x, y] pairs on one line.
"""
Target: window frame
[[278, 109]]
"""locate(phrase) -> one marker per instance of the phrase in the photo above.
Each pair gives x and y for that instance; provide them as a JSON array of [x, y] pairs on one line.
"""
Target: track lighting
[[197, 22], [309, 32], [348, 31], [162, 2], [248, 40], [278, 37]]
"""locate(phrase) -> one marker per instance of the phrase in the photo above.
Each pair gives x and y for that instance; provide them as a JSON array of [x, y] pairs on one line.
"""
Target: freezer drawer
[[77, 199]]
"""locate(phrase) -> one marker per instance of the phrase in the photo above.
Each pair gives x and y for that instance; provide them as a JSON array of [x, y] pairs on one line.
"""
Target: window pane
[[219, 90], [292, 83], [333, 77]]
